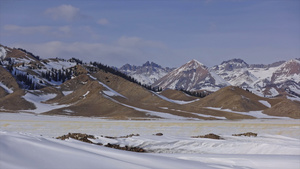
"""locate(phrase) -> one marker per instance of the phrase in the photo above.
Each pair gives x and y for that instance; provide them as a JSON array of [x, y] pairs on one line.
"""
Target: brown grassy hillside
[[13, 101], [233, 98], [286, 108], [177, 95]]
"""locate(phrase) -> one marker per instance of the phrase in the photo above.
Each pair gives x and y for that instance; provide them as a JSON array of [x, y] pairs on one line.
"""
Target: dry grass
[[177, 95], [233, 98], [286, 108], [13, 101]]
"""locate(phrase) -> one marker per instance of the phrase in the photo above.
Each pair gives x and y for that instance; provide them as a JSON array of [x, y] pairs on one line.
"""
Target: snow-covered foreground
[[26, 151], [26, 142]]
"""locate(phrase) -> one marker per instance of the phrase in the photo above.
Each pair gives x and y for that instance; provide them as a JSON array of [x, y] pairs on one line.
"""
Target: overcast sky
[[168, 32]]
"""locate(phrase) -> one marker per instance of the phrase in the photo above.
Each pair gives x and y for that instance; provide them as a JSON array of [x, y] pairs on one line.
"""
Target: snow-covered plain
[[26, 142]]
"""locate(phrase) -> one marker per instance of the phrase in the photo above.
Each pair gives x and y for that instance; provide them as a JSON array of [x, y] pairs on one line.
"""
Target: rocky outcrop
[[248, 134], [210, 135], [77, 136], [126, 148], [85, 138]]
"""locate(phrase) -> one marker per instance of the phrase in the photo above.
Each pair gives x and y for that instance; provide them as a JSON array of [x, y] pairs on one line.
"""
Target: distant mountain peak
[[191, 76], [152, 64], [192, 65], [296, 60], [148, 73], [196, 62], [231, 65], [235, 61]]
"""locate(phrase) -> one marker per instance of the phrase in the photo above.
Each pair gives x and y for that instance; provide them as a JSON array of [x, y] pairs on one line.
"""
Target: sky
[[167, 32]]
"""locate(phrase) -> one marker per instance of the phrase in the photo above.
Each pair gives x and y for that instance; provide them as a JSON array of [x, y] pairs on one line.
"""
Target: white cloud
[[115, 54], [103, 21], [64, 29], [27, 30], [137, 42], [64, 12]]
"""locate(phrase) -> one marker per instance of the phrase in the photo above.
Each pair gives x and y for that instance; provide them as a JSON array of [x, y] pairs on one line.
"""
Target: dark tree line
[[60, 75], [200, 94], [24, 80], [78, 62], [29, 53], [27, 81]]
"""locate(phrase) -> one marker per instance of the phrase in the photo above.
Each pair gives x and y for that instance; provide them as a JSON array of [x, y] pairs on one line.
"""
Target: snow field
[[28, 151], [25, 142], [53, 126], [265, 144]]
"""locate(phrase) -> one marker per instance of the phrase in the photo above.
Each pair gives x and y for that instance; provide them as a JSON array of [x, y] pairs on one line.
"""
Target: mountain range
[[277, 79], [147, 74], [56, 86]]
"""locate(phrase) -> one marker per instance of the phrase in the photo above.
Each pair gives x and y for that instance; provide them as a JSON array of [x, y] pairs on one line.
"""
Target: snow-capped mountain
[[191, 76], [277, 79], [235, 72], [289, 71], [147, 74], [71, 87]]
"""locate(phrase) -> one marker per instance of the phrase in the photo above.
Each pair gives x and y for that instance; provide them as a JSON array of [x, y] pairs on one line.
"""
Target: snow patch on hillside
[[266, 103], [293, 98], [84, 96], [273, 92], [8, 90], [263, 73], [110, 90], [38, 100], [218, 79], [257, 114], [153, 113], [175, 101], [3, 53], [59, 64], [67, 92]]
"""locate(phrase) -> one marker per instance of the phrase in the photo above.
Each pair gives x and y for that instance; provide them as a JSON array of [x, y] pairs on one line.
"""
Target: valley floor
[[28, 141]]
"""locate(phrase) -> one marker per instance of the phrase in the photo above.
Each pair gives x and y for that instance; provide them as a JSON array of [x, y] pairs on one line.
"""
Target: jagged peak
[[152, 64], [296, 60], [235, 60], [127, 66], [196, 62]]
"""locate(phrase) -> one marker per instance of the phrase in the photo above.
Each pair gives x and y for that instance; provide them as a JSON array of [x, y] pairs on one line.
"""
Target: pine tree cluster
[[29, 53], [60, 75], [200, 94], [24, 80], [27, 81]]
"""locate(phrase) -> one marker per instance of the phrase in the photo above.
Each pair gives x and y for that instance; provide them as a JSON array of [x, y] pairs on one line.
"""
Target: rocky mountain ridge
[[277, 79], [147, 74], [191, 76], [70, 87]]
